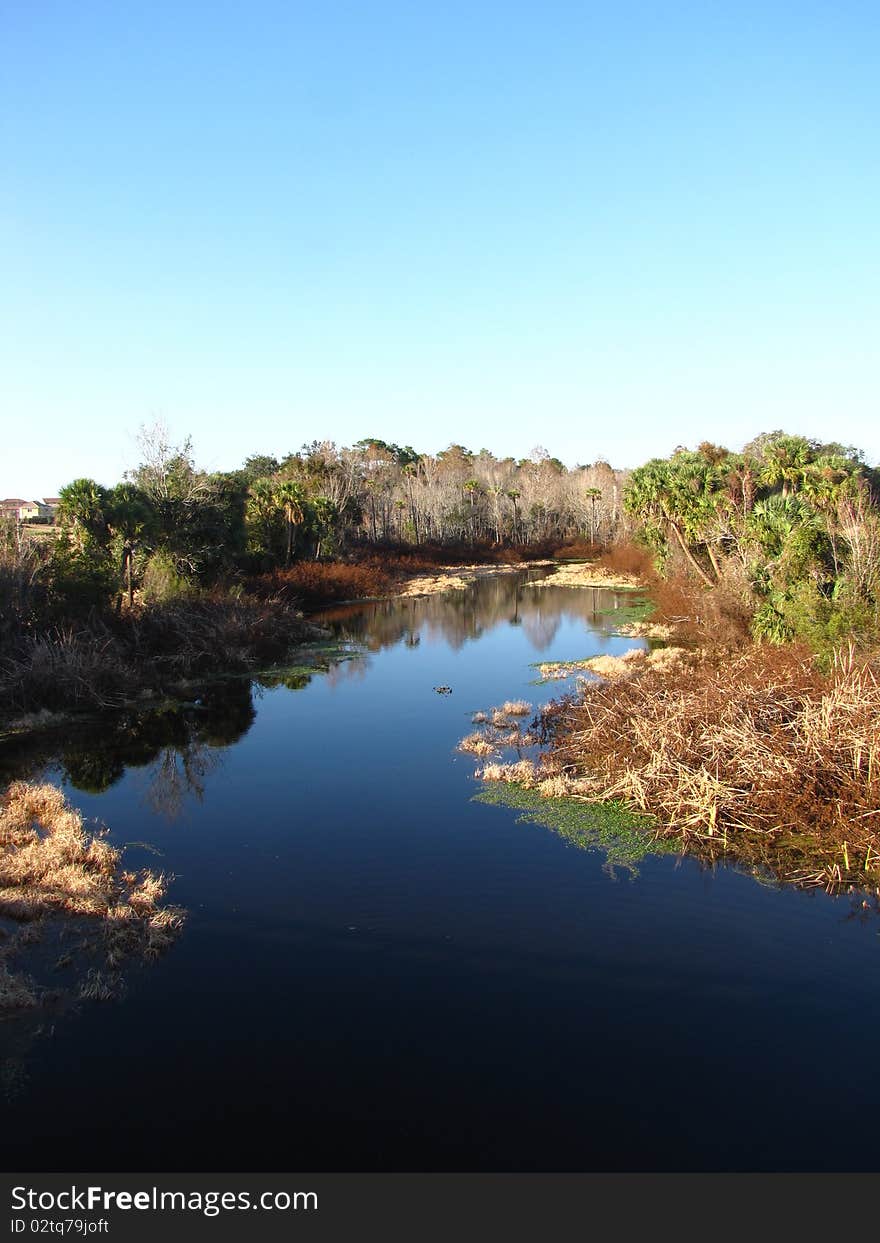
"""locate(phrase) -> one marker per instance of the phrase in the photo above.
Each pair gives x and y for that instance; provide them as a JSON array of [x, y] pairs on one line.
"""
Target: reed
[[477, 744], [516, 707]]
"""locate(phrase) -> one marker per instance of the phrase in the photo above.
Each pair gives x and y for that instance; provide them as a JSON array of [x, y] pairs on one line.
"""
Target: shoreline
[[146, 694], [577, 574], [754, 759]]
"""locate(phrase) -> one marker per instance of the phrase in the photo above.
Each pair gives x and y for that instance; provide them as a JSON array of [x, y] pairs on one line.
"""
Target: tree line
[[789, 523], [170, 524]]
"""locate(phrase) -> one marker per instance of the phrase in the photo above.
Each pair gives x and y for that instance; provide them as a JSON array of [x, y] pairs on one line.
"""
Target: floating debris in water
[[443, 690]]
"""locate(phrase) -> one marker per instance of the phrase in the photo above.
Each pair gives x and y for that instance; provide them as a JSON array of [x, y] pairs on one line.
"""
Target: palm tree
[[130, 517], [828, 479], [594, 496], [81, 511], [741, 483], [514, 496], [325, 514], [471, 488], [291, 498], [786, 460], [661, 495], [262, 514], [773, 521]]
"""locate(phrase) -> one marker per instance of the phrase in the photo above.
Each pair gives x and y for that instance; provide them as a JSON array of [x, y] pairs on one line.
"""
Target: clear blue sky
[[605, 228]]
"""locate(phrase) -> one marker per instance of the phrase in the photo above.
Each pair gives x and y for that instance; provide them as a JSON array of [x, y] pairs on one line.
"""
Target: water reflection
[[175, 747], [179, 743], [176, 744], [466, 615]]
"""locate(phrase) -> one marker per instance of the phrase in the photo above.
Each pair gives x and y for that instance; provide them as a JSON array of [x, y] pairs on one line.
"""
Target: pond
[[380, 973]]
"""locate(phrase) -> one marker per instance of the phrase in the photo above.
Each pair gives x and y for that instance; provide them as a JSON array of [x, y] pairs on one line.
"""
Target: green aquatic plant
[[624, 837], [642, 610], [317, 658], [557, 670]]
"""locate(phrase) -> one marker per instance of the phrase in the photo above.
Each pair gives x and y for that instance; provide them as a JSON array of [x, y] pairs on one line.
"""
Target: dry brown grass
[[457, 578], [557, 670], [51, 866], [760, 756], [718, 618], [107, 662], [646, 630], [477, 744], [586, 574], [615, 668], [522, 771], [500, 729]]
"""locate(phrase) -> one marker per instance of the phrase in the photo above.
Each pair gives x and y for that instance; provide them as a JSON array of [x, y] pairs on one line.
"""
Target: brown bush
[[315, 582], [719, 616], [104, 664], [627, 559], [378, 570], [574, 549]]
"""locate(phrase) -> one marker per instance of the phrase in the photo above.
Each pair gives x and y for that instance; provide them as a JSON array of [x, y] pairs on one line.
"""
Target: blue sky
[[606, 229]]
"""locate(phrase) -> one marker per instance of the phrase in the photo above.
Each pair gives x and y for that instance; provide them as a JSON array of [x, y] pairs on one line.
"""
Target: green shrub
[[163, 581], [81, 580], [825, 621], [770, 622]]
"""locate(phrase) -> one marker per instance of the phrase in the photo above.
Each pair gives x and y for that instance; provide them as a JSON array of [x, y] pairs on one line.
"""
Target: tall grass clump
[[52, 869]]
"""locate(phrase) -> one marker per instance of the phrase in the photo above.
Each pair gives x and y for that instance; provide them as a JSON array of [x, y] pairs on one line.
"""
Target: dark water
[[379, 973]]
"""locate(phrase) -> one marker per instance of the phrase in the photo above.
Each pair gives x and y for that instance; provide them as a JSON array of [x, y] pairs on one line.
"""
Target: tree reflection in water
[[176, 744], [464, 615], [179, 743]]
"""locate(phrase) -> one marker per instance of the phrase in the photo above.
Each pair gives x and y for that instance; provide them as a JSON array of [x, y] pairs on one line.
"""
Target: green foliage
[[770, 622], [81, 512], [81, 576], [213, 535], [163, 580], [803, 611], [406, 456], [798, 515], [791, 519], [260, 466]]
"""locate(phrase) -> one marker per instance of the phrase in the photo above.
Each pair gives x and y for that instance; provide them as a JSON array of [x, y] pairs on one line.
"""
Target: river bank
[[755, 755], [107, 662]]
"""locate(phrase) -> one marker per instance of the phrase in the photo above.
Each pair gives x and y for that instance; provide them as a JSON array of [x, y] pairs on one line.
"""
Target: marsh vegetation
[[63, 885]]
